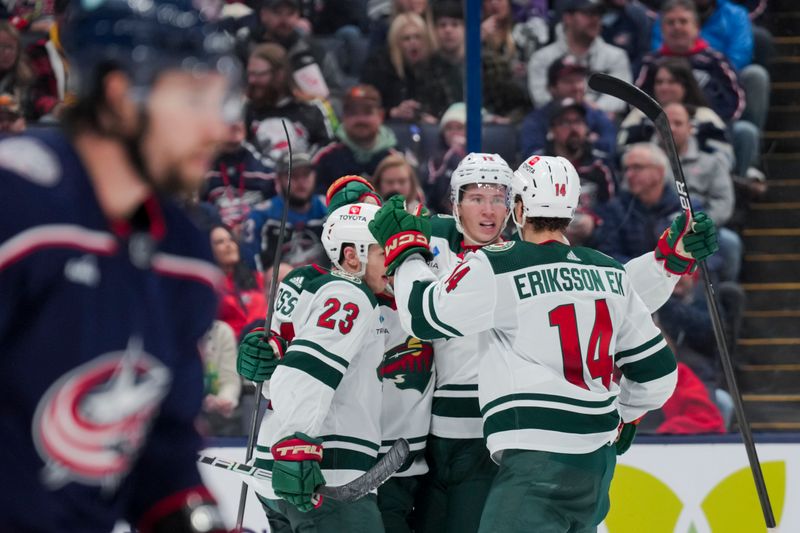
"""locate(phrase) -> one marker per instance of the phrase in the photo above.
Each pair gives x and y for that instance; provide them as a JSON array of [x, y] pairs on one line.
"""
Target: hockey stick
[[273, 285], [637, 98], [349, 492]]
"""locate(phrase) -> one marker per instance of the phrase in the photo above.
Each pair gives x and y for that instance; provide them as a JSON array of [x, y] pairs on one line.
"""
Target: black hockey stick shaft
[[637, 98], [383, 469], [273, 285]]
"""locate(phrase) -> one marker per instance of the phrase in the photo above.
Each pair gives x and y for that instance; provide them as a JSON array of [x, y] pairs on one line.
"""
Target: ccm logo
[[309, 449], [403, 240], [355, 209]]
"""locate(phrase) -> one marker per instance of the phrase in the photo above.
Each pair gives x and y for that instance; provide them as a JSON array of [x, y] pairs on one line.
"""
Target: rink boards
[[661, 485]]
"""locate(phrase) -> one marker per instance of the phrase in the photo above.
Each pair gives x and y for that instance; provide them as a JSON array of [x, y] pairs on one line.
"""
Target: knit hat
[[455, 113]]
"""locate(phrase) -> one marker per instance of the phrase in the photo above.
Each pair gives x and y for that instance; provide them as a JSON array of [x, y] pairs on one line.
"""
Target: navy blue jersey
[[99, 325]]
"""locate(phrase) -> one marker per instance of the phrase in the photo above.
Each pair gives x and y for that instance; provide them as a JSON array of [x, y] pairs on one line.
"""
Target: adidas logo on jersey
[[572, 257], [297, 281]]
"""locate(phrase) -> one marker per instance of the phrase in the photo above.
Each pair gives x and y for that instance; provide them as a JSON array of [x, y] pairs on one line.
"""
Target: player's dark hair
[[548, 223], [244, 279], [85, 112], [688, 5]]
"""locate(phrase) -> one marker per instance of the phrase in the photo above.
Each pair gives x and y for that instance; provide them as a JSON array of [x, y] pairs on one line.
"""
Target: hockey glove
[[349, 190], [400, 233], [259, 356], [626, 433], [687, 241], [296, 473]]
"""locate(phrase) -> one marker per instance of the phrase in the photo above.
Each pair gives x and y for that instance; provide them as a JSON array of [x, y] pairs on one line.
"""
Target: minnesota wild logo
[[408, 365]]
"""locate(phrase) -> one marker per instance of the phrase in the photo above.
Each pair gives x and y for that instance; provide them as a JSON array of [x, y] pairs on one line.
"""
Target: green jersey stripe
[[456, 407], [544, 418], [652, 367], [353, 440], [455, 386], [639, 349], [419, 325], [411, 440], [432, 309], [266, 464], [546, 398], [314, 346], [314, 367], [343, 459]]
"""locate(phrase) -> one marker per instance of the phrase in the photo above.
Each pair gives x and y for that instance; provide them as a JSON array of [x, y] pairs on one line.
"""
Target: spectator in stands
[[726, 28], [242, 298], [239, 179], [685, 318], [710, 183], [580, 38], [393, 70], [270, 99], [690, 410], [223, 385], [451, 150], [566, 78], [395, 176], [281, 23], [441, 79], [633, 221], [715, 75], [48, 92], [307, 212], [568, 137], [675, 83], [509, 40], [363, 139], [383, 15], [15, 73], [11, 118], [628, 25]]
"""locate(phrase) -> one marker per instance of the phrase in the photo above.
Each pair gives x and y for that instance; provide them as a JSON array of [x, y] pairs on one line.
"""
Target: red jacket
[[240, 308], [690, 411]]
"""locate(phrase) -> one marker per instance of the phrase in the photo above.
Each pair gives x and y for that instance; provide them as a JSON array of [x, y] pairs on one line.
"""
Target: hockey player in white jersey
[[555, 321], [461, 471], [326, 392]]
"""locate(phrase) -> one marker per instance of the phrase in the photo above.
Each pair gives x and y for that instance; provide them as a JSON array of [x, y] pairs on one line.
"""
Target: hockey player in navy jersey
[[106, 285], [556, 320]]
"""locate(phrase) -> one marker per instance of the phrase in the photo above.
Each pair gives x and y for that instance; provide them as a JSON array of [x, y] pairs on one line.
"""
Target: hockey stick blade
[[349, 492], [603, 83]]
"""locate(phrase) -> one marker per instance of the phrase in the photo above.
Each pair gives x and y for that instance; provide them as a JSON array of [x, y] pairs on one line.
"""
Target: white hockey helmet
[[483, 169], [548, 186], [349, 225]]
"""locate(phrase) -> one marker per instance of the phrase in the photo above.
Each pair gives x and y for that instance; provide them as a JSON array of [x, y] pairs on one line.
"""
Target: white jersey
[[554, 321], [327, 386], [408, 379], [455, 412]]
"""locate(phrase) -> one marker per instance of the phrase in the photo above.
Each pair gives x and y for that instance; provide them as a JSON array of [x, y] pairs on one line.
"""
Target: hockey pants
[[549, 492], [454, 490], [361, 516]]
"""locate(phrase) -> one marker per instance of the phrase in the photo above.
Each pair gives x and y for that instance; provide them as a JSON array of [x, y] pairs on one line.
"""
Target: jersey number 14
[[598, 361]]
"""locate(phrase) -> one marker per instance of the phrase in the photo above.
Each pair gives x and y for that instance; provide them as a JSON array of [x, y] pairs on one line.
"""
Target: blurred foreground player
[[106, 285]]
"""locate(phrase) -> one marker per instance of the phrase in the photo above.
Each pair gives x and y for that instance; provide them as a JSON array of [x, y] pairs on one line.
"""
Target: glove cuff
[[278, 344], [400, 242], [680, 264], [297, 448]]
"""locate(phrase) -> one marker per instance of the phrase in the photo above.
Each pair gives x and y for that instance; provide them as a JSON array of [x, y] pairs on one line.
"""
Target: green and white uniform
[[327, 385], [555, 320]]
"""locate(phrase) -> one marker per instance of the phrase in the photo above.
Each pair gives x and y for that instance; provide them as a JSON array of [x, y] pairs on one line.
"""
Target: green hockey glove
[[687, 241], [350, 190], [400, 233], [296, 473], [625, 435], [258, 355]]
